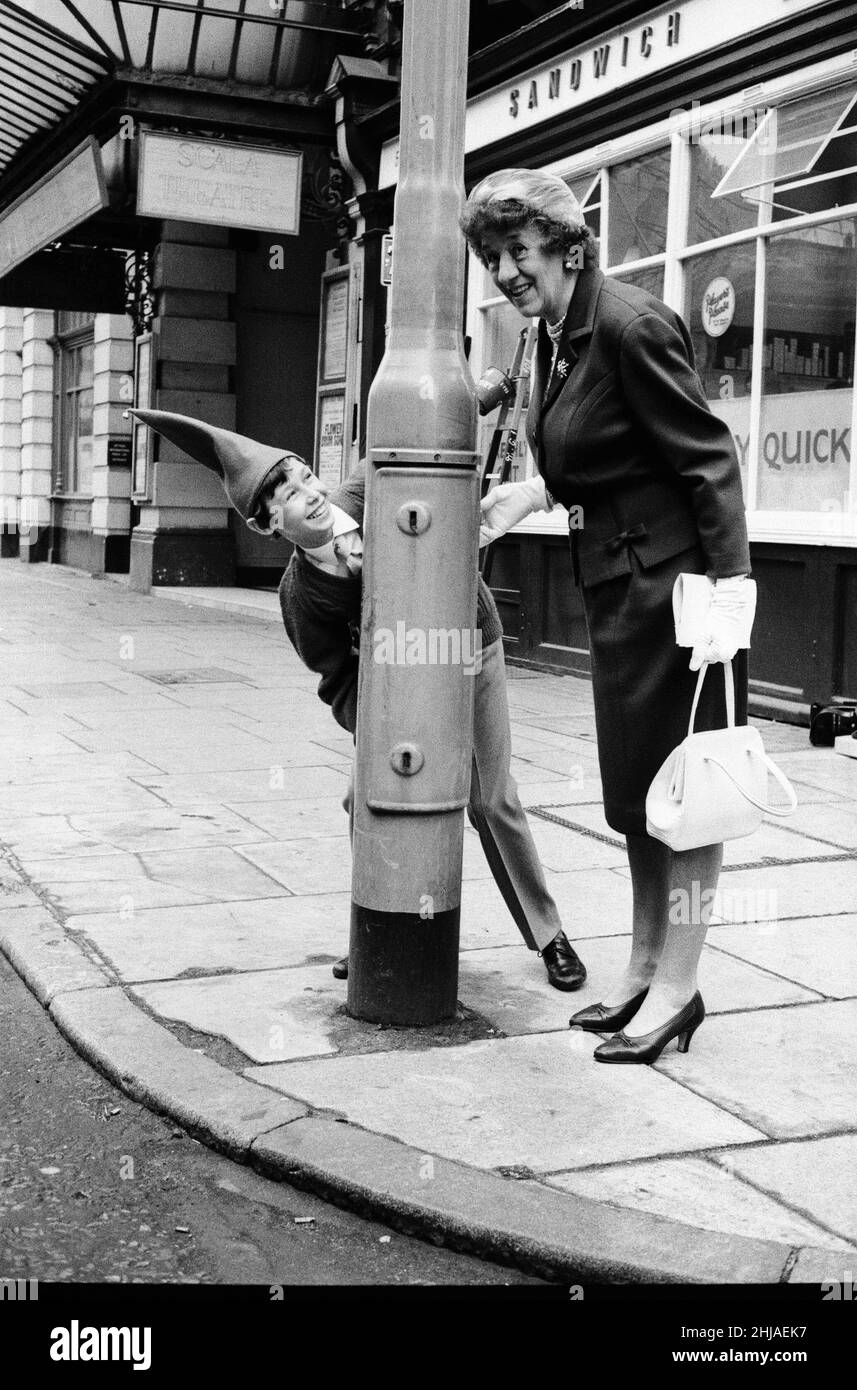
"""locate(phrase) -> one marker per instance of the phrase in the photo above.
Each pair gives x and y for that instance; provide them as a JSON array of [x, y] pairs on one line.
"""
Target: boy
[[320, 598]]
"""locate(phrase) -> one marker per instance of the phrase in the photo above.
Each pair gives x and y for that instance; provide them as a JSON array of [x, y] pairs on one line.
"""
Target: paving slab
[[561, 849], [786, 1071], [123, 883], [590, 902], [15, 892], [171, 741], [506, 988], [269, 1015], [44, 745], [593, 902], [166, 942], [788, 890], [321, 865], [571, 745], [50, 798], [835, 824], [700, 1192], [536, 1102], [824, 768], [77, 765], [526, 773], [165, 828], [819, 953], [153, 1066], [297, 820], [583, 787], [815, 1176], [278, 781]]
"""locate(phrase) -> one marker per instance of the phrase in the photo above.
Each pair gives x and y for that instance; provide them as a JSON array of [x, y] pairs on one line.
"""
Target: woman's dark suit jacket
[[623, 430]]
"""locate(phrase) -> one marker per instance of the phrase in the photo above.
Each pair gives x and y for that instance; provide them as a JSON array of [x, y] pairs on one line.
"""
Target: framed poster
[[332, 381], [330, 433], [141, 450], [333, 355]]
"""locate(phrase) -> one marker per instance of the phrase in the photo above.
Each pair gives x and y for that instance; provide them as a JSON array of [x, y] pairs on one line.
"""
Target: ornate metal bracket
[[325, 191], [139, 300]]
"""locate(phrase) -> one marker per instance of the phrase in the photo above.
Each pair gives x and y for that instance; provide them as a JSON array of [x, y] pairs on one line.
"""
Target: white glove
[[728, 623], [504, 506]]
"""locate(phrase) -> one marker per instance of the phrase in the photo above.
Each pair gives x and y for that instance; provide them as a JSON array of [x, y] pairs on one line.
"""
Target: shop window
[[808, 356], [650, 277], [639, 195], [789, 140], [801, 158], [832, 183], [73, 419], [713, 152], [587, 191], [720, 299]]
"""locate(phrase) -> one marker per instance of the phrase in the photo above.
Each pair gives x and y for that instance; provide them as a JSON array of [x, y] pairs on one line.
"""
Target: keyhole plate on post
[[407, 758], [413, 518]]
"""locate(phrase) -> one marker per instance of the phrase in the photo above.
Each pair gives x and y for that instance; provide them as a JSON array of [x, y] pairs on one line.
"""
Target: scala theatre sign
[[230, 183]]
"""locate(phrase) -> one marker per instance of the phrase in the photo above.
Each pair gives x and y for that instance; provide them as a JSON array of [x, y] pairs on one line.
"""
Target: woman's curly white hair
[[513, 198]]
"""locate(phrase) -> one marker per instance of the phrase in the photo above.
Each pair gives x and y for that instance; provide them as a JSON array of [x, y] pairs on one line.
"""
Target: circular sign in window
[[718, 306]]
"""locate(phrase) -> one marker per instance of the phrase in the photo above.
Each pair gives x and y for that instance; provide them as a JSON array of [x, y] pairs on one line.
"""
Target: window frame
[[66, 342]]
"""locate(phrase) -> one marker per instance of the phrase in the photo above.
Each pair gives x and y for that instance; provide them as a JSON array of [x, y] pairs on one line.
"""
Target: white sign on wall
[[804, 449], [669, 34], [70, 193], [718, 306], [229, 183]]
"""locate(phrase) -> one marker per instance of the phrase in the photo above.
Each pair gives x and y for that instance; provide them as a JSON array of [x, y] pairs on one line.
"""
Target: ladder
[[505, 434]]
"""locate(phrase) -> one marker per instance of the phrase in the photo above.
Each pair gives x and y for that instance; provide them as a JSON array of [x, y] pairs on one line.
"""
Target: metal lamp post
[[417, 659]]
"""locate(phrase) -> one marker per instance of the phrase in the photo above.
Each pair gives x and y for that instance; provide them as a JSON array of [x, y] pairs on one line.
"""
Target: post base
[[403, 968]]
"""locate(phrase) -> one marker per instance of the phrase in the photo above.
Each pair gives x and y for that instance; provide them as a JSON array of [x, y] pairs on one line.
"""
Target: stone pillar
[[113, 366], [37, 421], [183, 535], [11, 327]]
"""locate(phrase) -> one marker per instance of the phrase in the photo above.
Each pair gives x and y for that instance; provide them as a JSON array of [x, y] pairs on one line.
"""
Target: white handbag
[[713, 786]]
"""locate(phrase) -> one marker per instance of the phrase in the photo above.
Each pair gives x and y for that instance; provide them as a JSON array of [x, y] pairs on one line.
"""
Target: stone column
[[11, 328], [113, 366], [183, 535], [37, 419]]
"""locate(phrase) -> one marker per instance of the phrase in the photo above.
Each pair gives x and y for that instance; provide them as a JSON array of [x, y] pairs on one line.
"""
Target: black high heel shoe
[[597, 1018], [649, 1046]]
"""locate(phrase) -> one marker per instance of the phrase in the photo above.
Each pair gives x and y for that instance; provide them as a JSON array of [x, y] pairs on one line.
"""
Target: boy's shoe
[[565, 969], [340, 970]]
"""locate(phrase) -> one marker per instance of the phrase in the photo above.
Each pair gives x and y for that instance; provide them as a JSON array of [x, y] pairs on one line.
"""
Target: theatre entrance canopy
[[118, 114]]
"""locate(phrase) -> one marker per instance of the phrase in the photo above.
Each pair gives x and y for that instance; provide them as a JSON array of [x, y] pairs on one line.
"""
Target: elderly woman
[[619, 426]]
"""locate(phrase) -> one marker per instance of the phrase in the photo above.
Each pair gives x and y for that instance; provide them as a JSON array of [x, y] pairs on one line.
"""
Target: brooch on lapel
[[562, 368]]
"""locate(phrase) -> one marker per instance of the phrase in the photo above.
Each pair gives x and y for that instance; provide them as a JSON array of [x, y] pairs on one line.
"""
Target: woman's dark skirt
[[642, 687]]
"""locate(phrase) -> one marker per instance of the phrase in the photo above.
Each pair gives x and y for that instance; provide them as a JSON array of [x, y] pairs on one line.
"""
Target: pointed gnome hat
[[241, 464]]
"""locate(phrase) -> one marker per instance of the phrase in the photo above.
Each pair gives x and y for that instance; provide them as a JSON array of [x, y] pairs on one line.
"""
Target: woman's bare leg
[[692, 883], [651, 868]]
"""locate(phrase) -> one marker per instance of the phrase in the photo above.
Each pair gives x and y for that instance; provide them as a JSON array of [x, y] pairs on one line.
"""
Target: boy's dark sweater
[[321, 613]]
